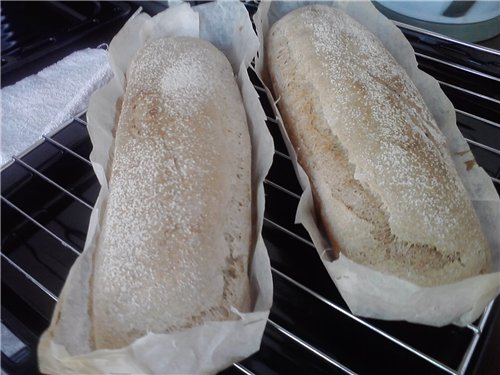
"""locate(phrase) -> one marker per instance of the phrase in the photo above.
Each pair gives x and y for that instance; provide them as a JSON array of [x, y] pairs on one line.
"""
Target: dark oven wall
[[48, 193]]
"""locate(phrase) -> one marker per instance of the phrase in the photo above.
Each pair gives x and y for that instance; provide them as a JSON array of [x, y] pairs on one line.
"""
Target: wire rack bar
[[64, 148], [480, 145], [289, 232], [273, 120], [368, 325], [447, 38], [469, 92], [473, 344], [243, 369], [84, 112], [49, 232], [260, 88], [468, 354], [473, 328], [279, 153], [29, 277], [80, 121], [460, 67], [467, 114], [41, 175], [484, 318], [310, 348], [279, 187]]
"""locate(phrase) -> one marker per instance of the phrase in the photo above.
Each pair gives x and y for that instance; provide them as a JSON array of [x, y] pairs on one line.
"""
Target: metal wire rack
[[310, 329]]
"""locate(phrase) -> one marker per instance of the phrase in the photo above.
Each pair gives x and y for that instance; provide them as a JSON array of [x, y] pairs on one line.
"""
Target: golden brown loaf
[[383, 181], [174, 244]]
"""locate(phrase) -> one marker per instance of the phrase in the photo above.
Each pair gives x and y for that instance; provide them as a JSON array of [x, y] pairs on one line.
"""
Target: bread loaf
[[383, 182], [176, 233]]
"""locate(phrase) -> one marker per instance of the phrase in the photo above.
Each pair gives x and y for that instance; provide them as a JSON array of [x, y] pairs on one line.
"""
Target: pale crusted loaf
[[174, 244], [383, 181]]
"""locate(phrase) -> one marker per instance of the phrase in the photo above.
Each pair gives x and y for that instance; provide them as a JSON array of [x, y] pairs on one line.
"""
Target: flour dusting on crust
[[173, 250]]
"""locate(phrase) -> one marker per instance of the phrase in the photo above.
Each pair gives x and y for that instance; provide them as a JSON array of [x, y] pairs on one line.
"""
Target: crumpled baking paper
[[371, 293], [65, 346]]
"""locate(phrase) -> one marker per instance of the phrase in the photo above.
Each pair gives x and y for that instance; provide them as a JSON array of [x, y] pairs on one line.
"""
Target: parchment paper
[[370, 293], [65, 346]]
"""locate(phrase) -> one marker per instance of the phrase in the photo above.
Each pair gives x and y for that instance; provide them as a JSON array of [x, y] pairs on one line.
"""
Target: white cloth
[[40, 103]]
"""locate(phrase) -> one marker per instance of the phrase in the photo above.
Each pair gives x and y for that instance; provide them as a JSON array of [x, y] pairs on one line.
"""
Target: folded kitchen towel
[[42, 102]]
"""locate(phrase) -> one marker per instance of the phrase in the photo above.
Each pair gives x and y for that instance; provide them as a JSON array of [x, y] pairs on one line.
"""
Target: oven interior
[[48, 191]]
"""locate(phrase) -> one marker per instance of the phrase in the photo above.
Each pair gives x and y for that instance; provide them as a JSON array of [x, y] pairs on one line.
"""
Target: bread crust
[[176, 234], [383, 181]]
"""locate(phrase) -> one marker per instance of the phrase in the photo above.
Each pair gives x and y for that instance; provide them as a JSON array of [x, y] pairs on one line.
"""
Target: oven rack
[[292, 342]]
